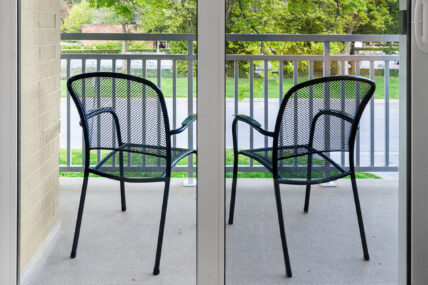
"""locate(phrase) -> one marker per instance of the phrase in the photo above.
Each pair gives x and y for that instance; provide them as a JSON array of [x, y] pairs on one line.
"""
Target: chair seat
[[141, 162], [293, 167]]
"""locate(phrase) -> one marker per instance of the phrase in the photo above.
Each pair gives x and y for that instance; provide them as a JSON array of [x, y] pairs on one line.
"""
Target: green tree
[[126, 11], [78, 15]]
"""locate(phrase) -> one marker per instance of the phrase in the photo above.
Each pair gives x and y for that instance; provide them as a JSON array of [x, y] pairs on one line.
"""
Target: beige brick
[[39, 123]]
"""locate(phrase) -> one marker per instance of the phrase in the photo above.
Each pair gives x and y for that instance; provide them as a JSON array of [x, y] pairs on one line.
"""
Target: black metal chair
[[125, 120], [316, 118]]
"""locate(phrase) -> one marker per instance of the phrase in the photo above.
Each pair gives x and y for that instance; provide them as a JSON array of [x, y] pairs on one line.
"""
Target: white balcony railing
[[377, 142]]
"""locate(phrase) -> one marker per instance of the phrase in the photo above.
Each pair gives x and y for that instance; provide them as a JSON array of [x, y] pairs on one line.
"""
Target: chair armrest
[[253, 123], [185, 124], [96, 112], [340, 114]]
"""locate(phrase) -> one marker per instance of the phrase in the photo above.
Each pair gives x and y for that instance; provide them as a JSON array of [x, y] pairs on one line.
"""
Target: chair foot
[[307, 197], [288, 274], [122, 196], [366, 257], [73, 255], [156, 271]]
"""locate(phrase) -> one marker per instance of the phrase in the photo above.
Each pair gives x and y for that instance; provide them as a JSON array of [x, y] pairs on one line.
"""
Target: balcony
[[324, 244]]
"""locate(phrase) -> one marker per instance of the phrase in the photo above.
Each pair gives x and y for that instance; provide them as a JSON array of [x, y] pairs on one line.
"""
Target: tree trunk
[[348, 49], [124, 62]]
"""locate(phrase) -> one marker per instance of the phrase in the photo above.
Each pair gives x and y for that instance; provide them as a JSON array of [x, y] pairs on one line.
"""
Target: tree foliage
[[78, 15]]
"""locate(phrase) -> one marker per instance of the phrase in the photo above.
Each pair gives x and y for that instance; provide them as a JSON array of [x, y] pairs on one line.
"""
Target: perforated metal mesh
[[144, 126], [331, 134]]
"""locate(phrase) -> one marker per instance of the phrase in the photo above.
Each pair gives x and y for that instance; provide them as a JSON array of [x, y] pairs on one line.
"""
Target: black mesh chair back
[[138, 104], [140, 110], [318, 117]]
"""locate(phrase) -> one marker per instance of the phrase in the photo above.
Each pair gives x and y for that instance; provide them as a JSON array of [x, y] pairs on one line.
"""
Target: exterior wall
[[39, 124]]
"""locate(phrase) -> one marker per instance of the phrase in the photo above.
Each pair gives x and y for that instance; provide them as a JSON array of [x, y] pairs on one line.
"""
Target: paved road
[[243, 108]]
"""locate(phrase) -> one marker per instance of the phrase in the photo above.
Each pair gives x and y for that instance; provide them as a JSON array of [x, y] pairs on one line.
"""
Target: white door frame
[[8, 141], [211, 143], [419, 159], [403, 205]]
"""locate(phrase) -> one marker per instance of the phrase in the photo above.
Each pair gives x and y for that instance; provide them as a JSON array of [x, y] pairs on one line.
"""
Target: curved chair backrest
[[322, 100], [137, 102]]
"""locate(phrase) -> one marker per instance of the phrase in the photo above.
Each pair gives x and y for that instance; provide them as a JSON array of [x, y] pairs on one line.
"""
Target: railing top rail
[[232, 37], [127, 56]]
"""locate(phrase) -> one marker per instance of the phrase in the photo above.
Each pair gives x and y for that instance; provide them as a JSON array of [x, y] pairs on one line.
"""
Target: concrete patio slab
[[325, 248]]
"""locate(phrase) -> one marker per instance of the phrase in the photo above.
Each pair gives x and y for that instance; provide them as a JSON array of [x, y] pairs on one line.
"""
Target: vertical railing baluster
[[68, 65], [372, 118], [296, 110], [236, 88], [113, 96], [174, 100], [128, 108], [342, 107], [266, 101], [311, 93], [281, 81], [251, 107], [326, 72], [386, 95], [190, 103], [280, 96], [357, 103], [84, 109], [159, 83], [98, 94], [143, 107], [236, 80]]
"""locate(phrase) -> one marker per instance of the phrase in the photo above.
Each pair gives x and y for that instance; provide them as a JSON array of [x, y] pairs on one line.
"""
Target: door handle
[[421, 24]]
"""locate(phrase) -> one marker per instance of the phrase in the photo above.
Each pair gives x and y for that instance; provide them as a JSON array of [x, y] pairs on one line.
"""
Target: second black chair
[[316, 119]]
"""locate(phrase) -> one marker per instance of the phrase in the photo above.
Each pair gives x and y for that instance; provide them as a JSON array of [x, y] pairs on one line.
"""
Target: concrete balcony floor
[[325, 248]]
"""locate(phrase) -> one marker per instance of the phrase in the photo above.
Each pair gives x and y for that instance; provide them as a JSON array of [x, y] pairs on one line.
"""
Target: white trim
[[402, 168], [8, 142], [211, 164], [419, 160], [41, 256]]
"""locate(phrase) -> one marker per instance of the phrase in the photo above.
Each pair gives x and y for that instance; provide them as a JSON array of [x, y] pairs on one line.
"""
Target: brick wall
[[101, 28], [39, 123]]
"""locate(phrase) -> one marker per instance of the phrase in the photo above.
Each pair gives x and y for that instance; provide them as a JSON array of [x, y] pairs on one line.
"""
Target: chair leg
[[79, 214], [233, 194], [308, 186], [156, 270], [122, 183], [359, 215], [282, 229], [122, 196], [307, 197]]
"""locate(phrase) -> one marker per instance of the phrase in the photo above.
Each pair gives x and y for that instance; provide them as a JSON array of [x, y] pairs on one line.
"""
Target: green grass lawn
[[243, 85], [76, 158]]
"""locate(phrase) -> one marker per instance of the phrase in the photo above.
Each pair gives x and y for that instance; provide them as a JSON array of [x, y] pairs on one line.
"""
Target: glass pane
[[120, 89], [292, 208]]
